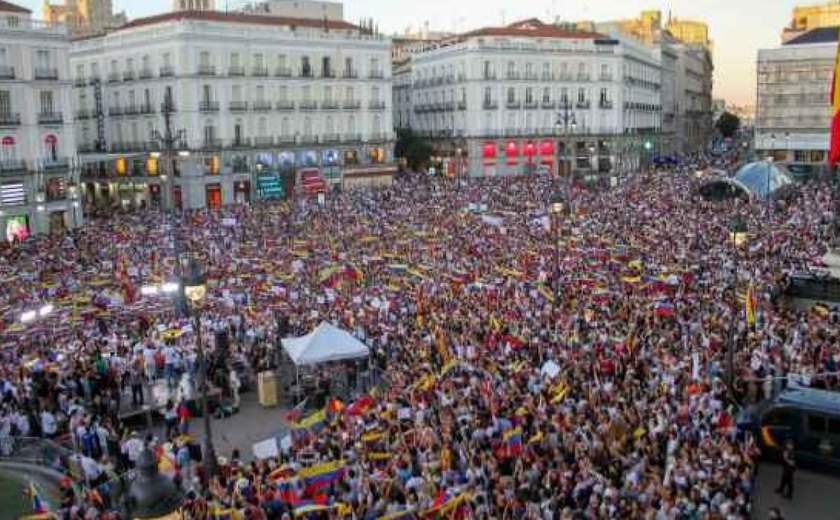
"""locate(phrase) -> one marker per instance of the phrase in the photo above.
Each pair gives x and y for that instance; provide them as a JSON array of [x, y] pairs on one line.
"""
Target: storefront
[[214, 196], [331, 167], [242, 192], [270, 187], [15, 228]]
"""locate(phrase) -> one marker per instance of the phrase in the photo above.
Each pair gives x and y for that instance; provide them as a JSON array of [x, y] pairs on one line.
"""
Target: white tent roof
[[325, 343]]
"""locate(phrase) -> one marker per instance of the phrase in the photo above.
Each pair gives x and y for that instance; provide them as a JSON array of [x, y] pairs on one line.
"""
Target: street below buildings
[[816, 496]]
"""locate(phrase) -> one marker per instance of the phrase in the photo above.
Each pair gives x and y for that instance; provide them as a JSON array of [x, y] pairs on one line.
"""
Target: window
[[564, 70], [328, 94], [42, 59], [307, 93], [262, 127], [206, 93], [374, 65], [305, 67], [374, 94], [487, 95], [581, 95], [307, 126], [209, 132], [46, 98], [80, 69], [488, 70], [284, 93], [258, 61], [260, 93], [234, 60], [326, 67], [167, 59], [605, 71], [546, 71], [511, 69], [146, 62], [114, 67], [237, 132], [604, 98], [351, 124], [147, 98], [529, 95], [529, 70], [236, 94], [349, 94], [204, 59], [348, 66], [546, 95], [129, 65], [511, 95], [281, 61], [5, 103]]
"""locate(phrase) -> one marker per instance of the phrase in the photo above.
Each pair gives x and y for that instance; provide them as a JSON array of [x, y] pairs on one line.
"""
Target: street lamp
[[739, 237], [194, 286], [592, 159], [151, 495], [558, 207]]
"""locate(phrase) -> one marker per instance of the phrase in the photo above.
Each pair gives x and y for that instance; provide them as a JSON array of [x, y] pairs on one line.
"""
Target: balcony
[[264, 142], [286, 139], [170, 108], [489, 76], [547, 103], [79, 82], [350, 74], [7, 72], [351, 105], [236, 70], [208, 106], [351, 138], [489, 105], [376, 136], [376, 74], [114, 77], [512, 104], [306, 73], [328, 74], [115, 111], [330, 105], [12, 167], [211, 143], [332, 138], [308, 139], [583, 77], [46, 73], [449, 78], [50, 118], [145, 74], [59, 163], [547, 76], [259, 72], [512, 75], [166, 71], [462, 105], [606, 77], [8, 119], [145, 109], [582, 104], [283, 72], [531, 76], [605, 104], [130, 110], [83, 114], [242, 142], [128, 75], [309, 105], [262, 105], [206, 70], [376, 105], [285, 104], [531, 105], [238, 106], [94, 80]]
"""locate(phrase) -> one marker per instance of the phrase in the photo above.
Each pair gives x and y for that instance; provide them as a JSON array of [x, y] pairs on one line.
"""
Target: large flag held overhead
[[834, 143], [750, 305]]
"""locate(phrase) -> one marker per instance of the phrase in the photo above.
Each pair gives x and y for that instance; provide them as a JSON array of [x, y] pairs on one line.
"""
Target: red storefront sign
[[488, 152], [512, 152]]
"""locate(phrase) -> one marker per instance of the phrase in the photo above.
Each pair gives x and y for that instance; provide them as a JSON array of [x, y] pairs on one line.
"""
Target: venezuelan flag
[[405, 514], [322, 475], [513, 441], [311, 423], [834, 141], [219, 513], [767, 437], [39, 505]]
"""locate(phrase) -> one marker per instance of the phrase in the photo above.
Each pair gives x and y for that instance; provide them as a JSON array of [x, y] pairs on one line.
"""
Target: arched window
[[51, 145]]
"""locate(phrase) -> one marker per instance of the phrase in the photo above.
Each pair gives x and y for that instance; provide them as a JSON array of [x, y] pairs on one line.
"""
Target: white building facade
[[793, 110], [38, 190], [255, 99], [694, 73], [532, 97]]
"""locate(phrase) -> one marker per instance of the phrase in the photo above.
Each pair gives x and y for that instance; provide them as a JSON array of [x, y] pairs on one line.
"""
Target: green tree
[[727, 124], [413, 148]]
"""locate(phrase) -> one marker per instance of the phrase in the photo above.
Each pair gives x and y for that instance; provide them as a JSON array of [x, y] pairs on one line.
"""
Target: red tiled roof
[[7, 7], [534, 28], [218, 16]]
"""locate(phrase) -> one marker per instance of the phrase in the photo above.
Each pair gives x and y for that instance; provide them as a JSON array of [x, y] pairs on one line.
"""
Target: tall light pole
[[168, 142], [558, 208], [738, 235], [194, 290], [566, 121]]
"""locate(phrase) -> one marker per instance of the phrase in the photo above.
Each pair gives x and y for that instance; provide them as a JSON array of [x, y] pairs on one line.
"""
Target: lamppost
[[566, 121], [593, 160], [194, 290], [558, 208], [739, 236], [168, 141], [151, 495]]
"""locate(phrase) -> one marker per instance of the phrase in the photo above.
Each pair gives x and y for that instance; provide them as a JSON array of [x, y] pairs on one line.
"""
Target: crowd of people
[[513, 386]]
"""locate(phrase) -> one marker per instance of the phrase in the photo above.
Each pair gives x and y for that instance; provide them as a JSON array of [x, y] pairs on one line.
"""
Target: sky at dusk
[[738, 27]]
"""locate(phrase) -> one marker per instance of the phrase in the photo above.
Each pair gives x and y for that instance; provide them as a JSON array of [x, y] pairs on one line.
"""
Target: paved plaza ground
[[816, 495]]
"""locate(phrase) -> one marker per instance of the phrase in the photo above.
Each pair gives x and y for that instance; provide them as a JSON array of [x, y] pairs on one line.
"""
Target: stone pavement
[[816, 496]]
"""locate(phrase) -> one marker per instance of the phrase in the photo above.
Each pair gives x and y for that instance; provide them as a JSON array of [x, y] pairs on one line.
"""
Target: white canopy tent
[[325, 343]]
